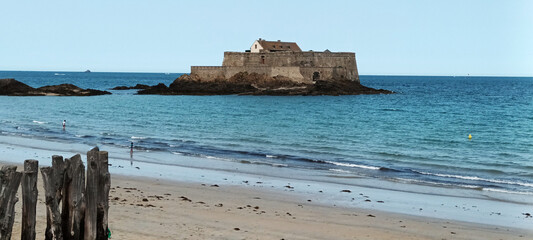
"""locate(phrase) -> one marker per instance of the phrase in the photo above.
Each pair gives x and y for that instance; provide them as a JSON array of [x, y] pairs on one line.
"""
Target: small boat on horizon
[[87, 71]]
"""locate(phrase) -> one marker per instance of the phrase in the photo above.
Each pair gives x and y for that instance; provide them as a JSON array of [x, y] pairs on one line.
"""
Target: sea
[[419, 135]]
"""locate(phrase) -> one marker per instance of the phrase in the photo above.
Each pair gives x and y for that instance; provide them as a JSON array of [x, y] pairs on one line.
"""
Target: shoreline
[[464, 208], [148, 208]]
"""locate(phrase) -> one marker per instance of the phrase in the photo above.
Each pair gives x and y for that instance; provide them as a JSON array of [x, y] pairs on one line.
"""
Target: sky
[[389, 37]]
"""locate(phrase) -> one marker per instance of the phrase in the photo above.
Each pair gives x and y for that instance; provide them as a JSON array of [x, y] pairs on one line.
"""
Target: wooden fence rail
[[76, 207]]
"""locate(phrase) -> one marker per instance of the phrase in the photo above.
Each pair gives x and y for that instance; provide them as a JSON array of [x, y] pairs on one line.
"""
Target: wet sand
[[149, 208]]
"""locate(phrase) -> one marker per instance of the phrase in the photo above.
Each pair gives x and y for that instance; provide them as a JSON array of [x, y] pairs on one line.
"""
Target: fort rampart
[[299, 66]]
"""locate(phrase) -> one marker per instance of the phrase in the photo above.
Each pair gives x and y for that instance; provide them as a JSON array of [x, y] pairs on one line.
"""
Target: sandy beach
[[148, 208], [204, 201]]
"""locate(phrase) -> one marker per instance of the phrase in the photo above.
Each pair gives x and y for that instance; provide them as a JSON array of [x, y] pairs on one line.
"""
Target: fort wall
[[299, 66], [209, 73]]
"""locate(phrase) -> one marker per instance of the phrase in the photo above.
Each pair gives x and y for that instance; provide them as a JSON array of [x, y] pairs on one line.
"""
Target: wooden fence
[[76, 206]]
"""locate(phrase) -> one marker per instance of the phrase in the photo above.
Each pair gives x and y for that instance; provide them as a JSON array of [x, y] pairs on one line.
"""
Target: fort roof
[[275, 46]]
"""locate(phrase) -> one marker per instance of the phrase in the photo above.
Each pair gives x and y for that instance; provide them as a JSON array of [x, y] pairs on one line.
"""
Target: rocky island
[[12, 87], [244, 83], [272, 68]]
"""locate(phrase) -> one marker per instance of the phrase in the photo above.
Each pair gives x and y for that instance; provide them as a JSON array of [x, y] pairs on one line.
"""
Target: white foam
[[506, 191], [141, 138], [353, 165], [339, 170], [474, 178], [279, 165], [39, 122]]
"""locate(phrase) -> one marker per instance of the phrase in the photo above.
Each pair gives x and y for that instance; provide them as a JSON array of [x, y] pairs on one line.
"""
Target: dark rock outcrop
[[160, 88], [13, 87], [259, 84], [70, 90], [138, 86]]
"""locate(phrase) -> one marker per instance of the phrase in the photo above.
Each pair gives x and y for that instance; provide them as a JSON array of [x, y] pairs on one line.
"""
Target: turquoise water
[[419, 135]]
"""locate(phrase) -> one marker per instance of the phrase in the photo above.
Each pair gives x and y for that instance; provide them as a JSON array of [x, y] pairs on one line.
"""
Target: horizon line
[[378, 74]]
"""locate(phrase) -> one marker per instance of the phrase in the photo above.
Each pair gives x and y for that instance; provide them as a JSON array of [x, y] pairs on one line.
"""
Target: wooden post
[[91, 197], [9, 184], [67, 178], [104, 184], [53, 184], [59, 172], [29, 199], [73, 199]]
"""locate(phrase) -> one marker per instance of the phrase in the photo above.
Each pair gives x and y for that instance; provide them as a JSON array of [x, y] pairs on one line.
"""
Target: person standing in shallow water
[[131, 152], [64, 124]]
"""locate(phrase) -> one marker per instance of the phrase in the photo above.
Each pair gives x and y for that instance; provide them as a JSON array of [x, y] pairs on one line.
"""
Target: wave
[[474, 178], [263, 163], [59, 74], [140, 138], [108, 134], [83, 136], [506, 191], [353, 165], [443, 184], [339, 170], [392, 110], [38, 122]]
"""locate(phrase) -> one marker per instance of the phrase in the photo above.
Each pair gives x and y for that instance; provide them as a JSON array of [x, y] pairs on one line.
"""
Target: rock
[[121, 88], [159, 89], [244, 83], [138, 86], [70, 90], [13, 87]]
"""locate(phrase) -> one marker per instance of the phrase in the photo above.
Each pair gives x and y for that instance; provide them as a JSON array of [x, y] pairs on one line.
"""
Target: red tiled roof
[[279, 46]]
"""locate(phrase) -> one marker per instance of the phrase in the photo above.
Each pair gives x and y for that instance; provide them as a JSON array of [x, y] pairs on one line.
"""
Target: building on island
[[277, 58], [263, 45]]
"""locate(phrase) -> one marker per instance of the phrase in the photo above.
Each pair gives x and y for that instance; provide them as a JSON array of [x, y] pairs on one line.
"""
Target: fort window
[[316, 76], [255, 46], [262, 59]]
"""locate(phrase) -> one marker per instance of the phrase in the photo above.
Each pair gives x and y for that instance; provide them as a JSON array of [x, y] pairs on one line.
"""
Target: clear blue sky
[[458, 37]]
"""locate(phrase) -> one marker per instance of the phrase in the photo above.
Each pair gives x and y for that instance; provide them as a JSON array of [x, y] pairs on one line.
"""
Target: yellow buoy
[[469, 136]]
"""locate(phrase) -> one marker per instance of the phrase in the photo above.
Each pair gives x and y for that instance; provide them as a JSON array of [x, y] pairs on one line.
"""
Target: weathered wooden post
[[91, 195], [53, 184], [9, 184], [73, 200], [97, 195], [29, 199], [104, 185]]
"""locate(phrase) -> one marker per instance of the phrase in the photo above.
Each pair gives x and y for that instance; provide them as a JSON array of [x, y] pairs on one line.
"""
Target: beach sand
[[149, 208]]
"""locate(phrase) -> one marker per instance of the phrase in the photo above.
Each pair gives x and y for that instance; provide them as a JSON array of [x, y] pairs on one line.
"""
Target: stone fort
[[274, 58]]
